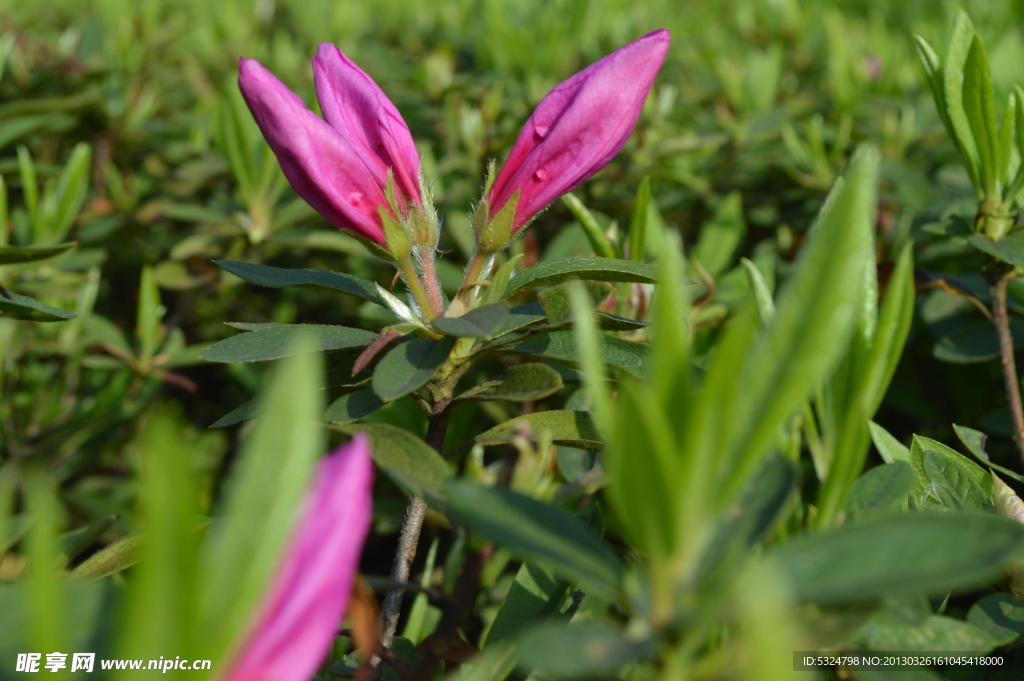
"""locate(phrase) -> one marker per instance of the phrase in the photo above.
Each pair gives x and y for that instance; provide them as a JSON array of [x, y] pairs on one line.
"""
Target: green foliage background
[[754, 115]]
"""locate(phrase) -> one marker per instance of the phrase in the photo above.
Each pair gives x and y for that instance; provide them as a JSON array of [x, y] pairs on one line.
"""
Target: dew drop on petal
[[355, 198], [540, 175], [541, 131]]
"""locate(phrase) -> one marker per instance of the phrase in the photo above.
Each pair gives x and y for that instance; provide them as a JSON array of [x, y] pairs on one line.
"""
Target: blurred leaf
[[82, 539], [406, 458], [23, 307], [935, 634], [567, 428], [598, 241], [953, 90], [948, 479], [974, 440], [243, 412], [276, 342], [979, 105], [19, 254], [524, 383], [148, 316], [588, 650], [535, 596], [889, 448], [61, 202], [536, 531], [1009, 250], [560, 347], [762, 294], [581, 267], [353, 406], [114, 558], [638, 221], [722, 235], [902, 553], [262, 501], [976, 342], [278, 277], [1000, 615], [409, 366], [47, 624], [883, 488], [477, 323]]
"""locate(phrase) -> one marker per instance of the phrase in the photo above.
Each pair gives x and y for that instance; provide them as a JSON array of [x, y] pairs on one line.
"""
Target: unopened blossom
[[339, 165], [306, 602], [575, 131]]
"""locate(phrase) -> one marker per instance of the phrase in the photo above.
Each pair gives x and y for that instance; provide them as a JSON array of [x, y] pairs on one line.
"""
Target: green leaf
[[499, 281], [524, 383], [23, 307], [404, 457], [902, 553], [598, 241], [555, 299], [262, 501], [10, 255], [243, 412], [560, 347], [976, 342], [883, 488], [353, 406], [953, 90], [948, 479], [111, 559], [1000, 615], [409, 366], [588, 650], [751, 516], [638, 221], [275, 342], [535, 596], [477, 323], [568, 428], [816, 310], [762, 294], [592, 268], [148, 315], [60, 204], [1008, 250], [520, 317], [279, 277], [935, 633], [537, 531], [979, 106], [974, 440], [721, 235]]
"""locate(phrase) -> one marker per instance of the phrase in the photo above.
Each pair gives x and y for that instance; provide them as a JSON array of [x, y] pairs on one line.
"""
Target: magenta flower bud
[[577, 128], [339, 166], [306, 602]]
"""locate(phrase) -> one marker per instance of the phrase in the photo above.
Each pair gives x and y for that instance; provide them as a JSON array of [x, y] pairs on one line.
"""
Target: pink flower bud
[[304, 606], [578, 128], [340, 165]]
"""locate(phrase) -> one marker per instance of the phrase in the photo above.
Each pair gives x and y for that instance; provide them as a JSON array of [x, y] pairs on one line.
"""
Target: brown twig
[[410, 534], [998, 291]]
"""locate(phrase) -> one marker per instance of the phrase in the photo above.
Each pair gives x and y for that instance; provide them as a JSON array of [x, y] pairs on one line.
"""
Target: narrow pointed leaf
[[279, 277], [560, 347], [10, 255], [406, 458], [477, 323], [581, 267], [23, 307], [409, 366], [275, 342]]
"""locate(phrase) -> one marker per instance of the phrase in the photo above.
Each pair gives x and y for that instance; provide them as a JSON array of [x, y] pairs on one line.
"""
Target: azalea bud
[[306, 602], [340, 165], [573, 133]]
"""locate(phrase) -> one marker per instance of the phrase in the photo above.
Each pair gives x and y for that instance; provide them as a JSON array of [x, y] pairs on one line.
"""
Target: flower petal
[[578, 127], [322, 166], [359, 110], [306, 604]]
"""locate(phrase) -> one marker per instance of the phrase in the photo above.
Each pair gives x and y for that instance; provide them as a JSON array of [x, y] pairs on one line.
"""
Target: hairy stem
[[430, 281], [410, 534], [479, 267], [415, 284], [998, 291]]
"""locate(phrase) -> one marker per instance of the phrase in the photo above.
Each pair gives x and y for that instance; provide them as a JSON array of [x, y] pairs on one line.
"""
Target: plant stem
[[479, 266], [433, 286], [410, 534], [415, 284], [998, 291]]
